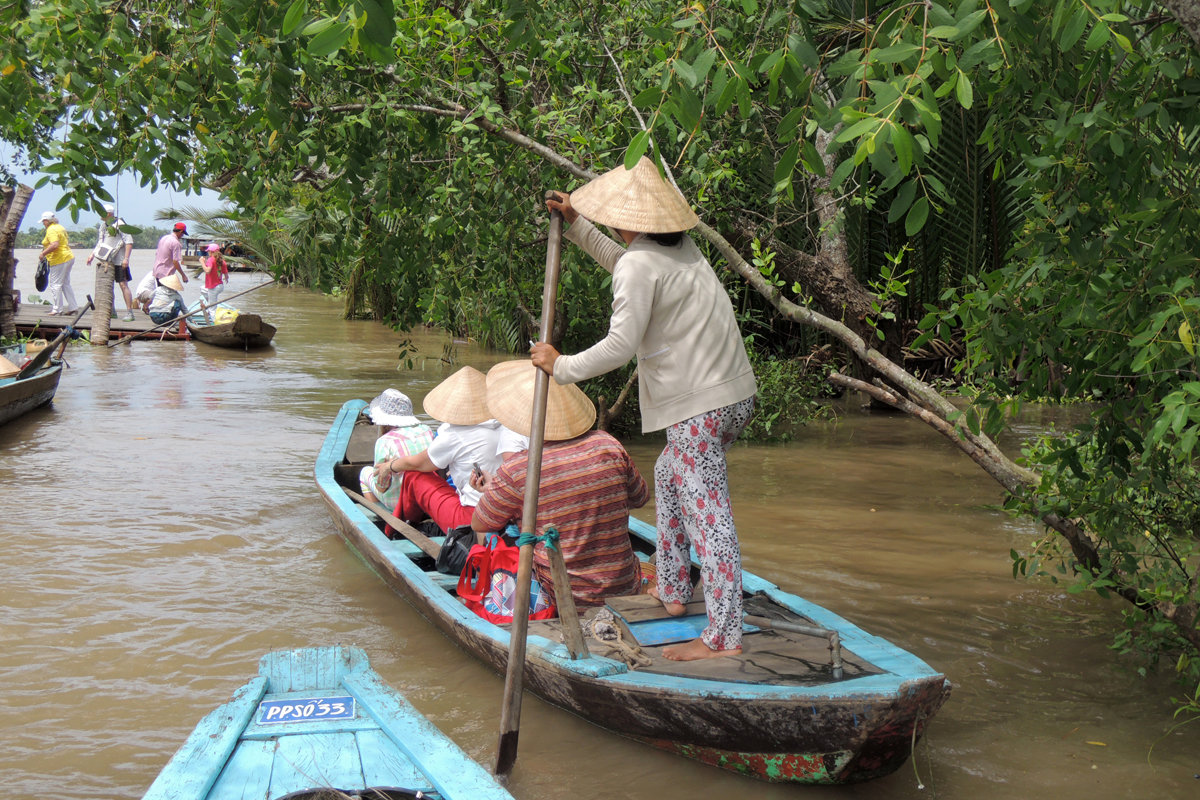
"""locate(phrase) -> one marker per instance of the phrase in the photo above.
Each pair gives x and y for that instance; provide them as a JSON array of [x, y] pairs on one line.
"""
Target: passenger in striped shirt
[[589, 484]]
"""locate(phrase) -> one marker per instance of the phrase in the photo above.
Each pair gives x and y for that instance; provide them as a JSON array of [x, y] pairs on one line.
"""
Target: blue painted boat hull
[[813, 730], [19, 397], [315, 720]]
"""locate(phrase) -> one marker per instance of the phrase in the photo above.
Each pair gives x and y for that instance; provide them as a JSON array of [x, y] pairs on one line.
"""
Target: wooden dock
[[35, 320]]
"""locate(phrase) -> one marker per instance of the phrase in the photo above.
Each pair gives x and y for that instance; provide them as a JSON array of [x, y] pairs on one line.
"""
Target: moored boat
[[320, 723], [20, 395], [245, 331], [811, 699]]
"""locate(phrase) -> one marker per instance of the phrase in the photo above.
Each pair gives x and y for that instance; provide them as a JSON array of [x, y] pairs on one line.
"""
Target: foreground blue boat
[[811, 699], [17, 396], [320, 723]]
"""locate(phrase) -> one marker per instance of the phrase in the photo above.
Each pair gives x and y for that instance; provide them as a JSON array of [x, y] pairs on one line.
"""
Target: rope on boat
[[549, 538], [603, 627]]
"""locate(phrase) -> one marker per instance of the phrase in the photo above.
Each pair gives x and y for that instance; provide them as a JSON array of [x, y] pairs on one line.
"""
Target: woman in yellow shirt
[[58, 255]]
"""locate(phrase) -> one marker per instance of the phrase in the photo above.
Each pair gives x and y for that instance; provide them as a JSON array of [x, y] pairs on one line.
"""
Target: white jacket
[[671, 311]]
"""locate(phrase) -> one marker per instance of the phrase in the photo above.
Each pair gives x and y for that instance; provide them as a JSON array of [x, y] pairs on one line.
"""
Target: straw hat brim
[[172, 282], [394, 420], [8, 368], [461, 399], [569, 412], [635, 199]]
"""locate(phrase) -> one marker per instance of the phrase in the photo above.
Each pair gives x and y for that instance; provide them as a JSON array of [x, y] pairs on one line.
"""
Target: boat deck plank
[[34, 320], [328, 760]]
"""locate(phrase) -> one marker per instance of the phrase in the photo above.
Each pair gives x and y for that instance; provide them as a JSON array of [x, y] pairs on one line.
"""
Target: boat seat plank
[[327, 760], [248, 773], [384, 766], [447, 582]]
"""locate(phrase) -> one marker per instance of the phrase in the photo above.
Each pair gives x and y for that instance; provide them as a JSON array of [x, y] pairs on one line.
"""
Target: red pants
[[427, 495]]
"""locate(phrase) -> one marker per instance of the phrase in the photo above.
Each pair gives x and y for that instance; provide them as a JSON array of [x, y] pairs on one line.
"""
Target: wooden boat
[[812, 698], [20, 396], [246, 331], [320, 723]]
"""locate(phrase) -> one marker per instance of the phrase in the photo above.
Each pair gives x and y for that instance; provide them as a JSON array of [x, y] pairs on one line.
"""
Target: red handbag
[[488, 583]]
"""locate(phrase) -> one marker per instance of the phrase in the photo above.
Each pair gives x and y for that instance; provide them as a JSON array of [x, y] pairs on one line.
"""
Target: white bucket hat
[[569, 412], [635, 199], [392, 408]]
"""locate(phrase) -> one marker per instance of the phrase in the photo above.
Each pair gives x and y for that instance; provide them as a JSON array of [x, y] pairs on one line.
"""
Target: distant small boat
[[246, 331], [19, 396], [320, 723]]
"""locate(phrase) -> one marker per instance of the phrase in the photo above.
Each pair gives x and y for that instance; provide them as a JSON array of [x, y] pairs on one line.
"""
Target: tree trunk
[[12, 211], [102, 312], [1187, 14]]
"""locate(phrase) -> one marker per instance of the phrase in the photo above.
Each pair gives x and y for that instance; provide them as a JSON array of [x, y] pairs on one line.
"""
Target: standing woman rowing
[[671, 311]]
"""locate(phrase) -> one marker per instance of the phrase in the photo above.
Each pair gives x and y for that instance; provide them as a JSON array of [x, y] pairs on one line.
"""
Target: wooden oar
[[510, 709], [184, 315], [41, 358], [428, 546]]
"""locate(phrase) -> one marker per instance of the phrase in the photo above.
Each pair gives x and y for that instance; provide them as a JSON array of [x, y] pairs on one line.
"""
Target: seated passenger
[[588, 486], [168, 300], [466, 437], [403, 435]]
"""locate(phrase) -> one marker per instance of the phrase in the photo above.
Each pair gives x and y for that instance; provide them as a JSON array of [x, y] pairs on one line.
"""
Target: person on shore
[[144, 294], [168, 257], [588, 487], [58, 254], [694, 379], [466, 438], [119, 246], [216, 274], [168, 300], [403, 435]]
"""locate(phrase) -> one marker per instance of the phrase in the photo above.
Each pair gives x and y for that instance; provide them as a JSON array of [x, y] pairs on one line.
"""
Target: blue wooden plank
[[247, 776], [384, 764], [309, 668], [449, 769], [193, 769], [652, 632], [324, 760]]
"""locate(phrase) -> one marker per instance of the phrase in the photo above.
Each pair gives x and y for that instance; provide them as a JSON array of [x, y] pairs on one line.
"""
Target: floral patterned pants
[[692, 508]]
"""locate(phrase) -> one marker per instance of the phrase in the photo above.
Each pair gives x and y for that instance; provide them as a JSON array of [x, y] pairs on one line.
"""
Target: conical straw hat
[[569, 412], [635, 199], [461, 399], [7, 368]]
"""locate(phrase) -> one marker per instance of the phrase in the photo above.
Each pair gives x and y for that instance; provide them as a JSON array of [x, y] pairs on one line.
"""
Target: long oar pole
[[510, 710], [184, 315]]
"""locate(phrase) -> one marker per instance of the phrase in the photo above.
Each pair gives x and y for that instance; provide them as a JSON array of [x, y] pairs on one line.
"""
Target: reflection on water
[[161, 531]]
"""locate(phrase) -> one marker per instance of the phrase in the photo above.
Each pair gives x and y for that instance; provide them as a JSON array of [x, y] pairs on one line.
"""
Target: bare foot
[[695, 650], [674, 609]]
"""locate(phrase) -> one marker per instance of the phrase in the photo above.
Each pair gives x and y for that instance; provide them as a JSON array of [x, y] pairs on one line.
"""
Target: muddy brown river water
[[160, 530]]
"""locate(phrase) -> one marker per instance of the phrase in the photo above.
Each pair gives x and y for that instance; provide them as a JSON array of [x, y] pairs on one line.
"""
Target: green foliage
[[86, 237], [789, 393], [1144, 515]]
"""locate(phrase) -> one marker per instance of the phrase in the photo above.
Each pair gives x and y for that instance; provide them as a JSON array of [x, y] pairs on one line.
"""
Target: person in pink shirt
[[216, 274], [169, 256]]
